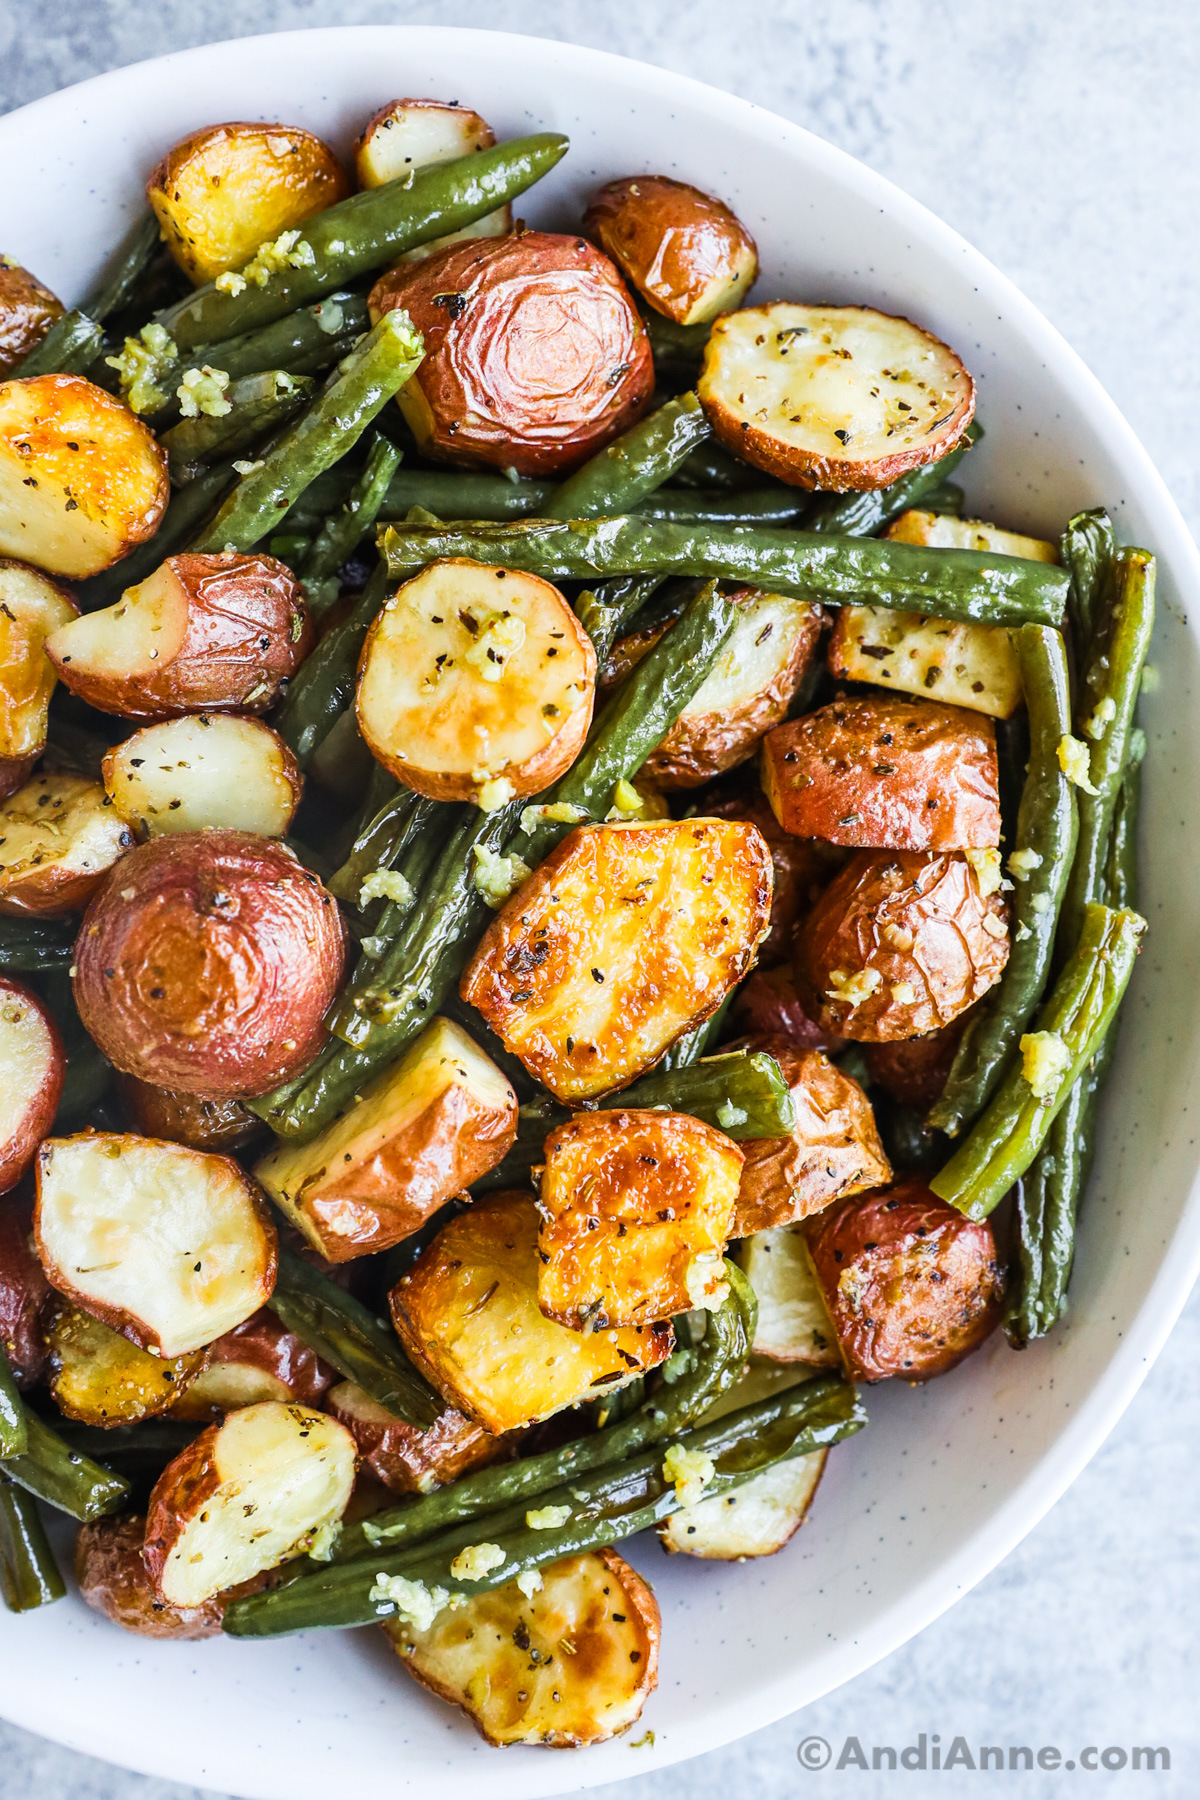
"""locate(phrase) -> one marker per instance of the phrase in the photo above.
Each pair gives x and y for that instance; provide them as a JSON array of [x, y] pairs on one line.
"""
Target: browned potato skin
[[535, 357], [886, 774], [26, 1297], [48, 889], [672, 241], [410, 1461], [768, 1006], [884, 895], [911, 1285], [201, 1121], [37, 1116], [27, 311], [803, 867], [28, 679], [113, 1580], [290, 1369], [100, 1378], [914, 1070], [208, 963]]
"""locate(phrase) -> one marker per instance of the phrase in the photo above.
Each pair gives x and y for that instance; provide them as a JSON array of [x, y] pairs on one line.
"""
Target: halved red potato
[[258, 1360], [27, 311], [98, 1376], [838, 397], [213, 770], [209, 962], [636, 1210], [26, 1297], [82, 481], [768, 1006], [535, 356], [169, 1246], [467, 1313], [571, 1664], [944, 532], [204, 633], [626, 937], [32, 1065], [113, 1580], [411, 134], [914, 1070], [198, 1120], [793, 1323], [424, 1129], [31, 607], [684, 251], [245, 1496], [973, 666], [756, 1519], [59, 837], [803, 866], [221, 192], [405, 1459], [472, 675], [879, 772]]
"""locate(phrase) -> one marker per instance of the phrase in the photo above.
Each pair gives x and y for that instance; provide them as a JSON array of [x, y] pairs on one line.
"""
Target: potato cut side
[[170, 1246], [793, 1321], [626, 937], [31, 607], [756, 1519], [467, 1313], [946, 533], [98, 1376], [473, 675], [214, 770], [221, 192], [32, 1066], [405, 1459], [82, 481], [426, 1128], [973, 666], [58, 839], [410, 134], [571, 1664], [838, 397], [113, 1581], [636, 1210], [248, 1494]]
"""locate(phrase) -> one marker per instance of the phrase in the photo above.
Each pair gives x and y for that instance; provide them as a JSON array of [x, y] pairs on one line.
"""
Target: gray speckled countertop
[[1063, 140]]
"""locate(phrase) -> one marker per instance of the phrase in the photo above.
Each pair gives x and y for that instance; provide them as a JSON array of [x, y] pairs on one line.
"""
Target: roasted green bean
[[629, 469], [323, 687], [29, 1575], [1088, 550], [862, 515], [605, 610], [346, 527], [62, 1477], [27, 945], [257, 404], [304, 342], [71, 345], [14, 1436]]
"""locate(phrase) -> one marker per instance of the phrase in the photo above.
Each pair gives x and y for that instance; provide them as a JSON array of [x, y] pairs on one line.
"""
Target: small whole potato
[[26, 1297], [27, 311], [914, 1070], [30, 608], [114, 1580], [768, 1006], [686, 253], [32, 1065]]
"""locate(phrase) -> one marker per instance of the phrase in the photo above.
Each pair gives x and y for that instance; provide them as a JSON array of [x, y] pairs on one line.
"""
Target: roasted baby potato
[[424, 1129], [193, 1119], [204, 633], [245, 1496], [100, 1377], [900, 943], [26, 1297], [832, 1150], [684, 251], [31, 607], [209, 963], [406, 1459], [911, 1285], [624, 938], [973, 666], [756, 1519], [213, 770], [946, 533], [768, 1006], [467, 1313], [803, 866], [221, 192], [914, 1070], [27, 311], [59, 837], [113, 1580], [32, 1065], [472, 676], [881, 773], [411, 134], [793, 1321], [82, 481], [569, 1665], [534, 354], [838, 397], [258, 1360], [635, 1210]]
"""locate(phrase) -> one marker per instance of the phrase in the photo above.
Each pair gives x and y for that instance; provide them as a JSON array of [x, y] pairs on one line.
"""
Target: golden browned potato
[[245, 1496], [963, 664], [914, 1070], [901, 943], [768, 1006], [170, 1246], [410, 134], [803, 866], [27, 311], [214, 770], [838, 397], [473, 677], [31, 607], [405, 1459], [756, 1519], [882, 773], [82, 481], [945, 533], [101, 1378], [26, 1297], [258, 1360], [832, 1150], [912, 1287], [59, 837], [209, 963], [221, 192], [424, 1129], [32, 1065], [198, 1120], [113, 1580], [793, 1327], [204, 633], [534, 353], [467, 1313], [636, 1210], [626, 937], [684, 251]]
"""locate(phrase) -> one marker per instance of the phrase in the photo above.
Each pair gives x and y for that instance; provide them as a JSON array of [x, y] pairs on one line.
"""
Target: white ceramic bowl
[[948, 1478]]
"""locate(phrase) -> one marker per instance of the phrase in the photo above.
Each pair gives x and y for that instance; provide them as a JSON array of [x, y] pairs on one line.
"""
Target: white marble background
[[1063, 138]]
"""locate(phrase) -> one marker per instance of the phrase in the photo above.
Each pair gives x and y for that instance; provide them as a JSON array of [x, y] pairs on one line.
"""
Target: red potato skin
[[18, 1153], [113, 1580], [261, 1342], [768, 1006], [409, 1461], [911, 1286], [188, 1480], [670, 240], [197, 1120], [26, 1297], [803, 867], [914, 1071], [535, 357], [27, 311], [207, 963]]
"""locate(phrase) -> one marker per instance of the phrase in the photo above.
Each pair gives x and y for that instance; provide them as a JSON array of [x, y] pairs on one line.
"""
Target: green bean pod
[[62, 1477], [323, 686], [605, 610], [29, 1575], [711, 465], [634, 464], [346, 527], [14, 1436], [716, 506], [378, 844], [187, 511], [29, 945], [677, 349], [258, 404], [693, 1044], [862, 515], [304, 342], [71, 345], [1088, 551]]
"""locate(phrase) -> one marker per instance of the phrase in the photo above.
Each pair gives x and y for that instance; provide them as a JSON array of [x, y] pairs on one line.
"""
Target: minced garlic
[[1045, 1059], [496, 877], [204, 390], [547, 1518], [995, 928], [288, 251], [705, 1281], [986, 864], [903, 993], [416, 1604], [729, 1115], [689, 1472], [494, 792], [142, 363], [476, 1561], [852, 990], [627, 802], [1100, 718], [323, 1540], [1075, 763], [386, 884], [1022, 863], [530, 1582], [559, 812], [499, 639]]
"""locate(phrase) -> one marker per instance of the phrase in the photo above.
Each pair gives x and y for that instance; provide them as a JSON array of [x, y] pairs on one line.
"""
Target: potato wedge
[[793, 1321], [27, 311], [204, 633], [635, 1210], [424, 1129], [193, 1119], [411, 134], [245, 1496], [101, 1378], [31, 607], [221, 192], [472, 675], [169, 1246], [258, 1360], [685, 252], [404, 1459], [946, 533], [838, 397], [26, 1297], [973, 666], [32, 1065], [467, 1313], [626, 937], [59, 837], [756, 1519], [572, 1664], [113, 1580], [200, 772], [82, 481]]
